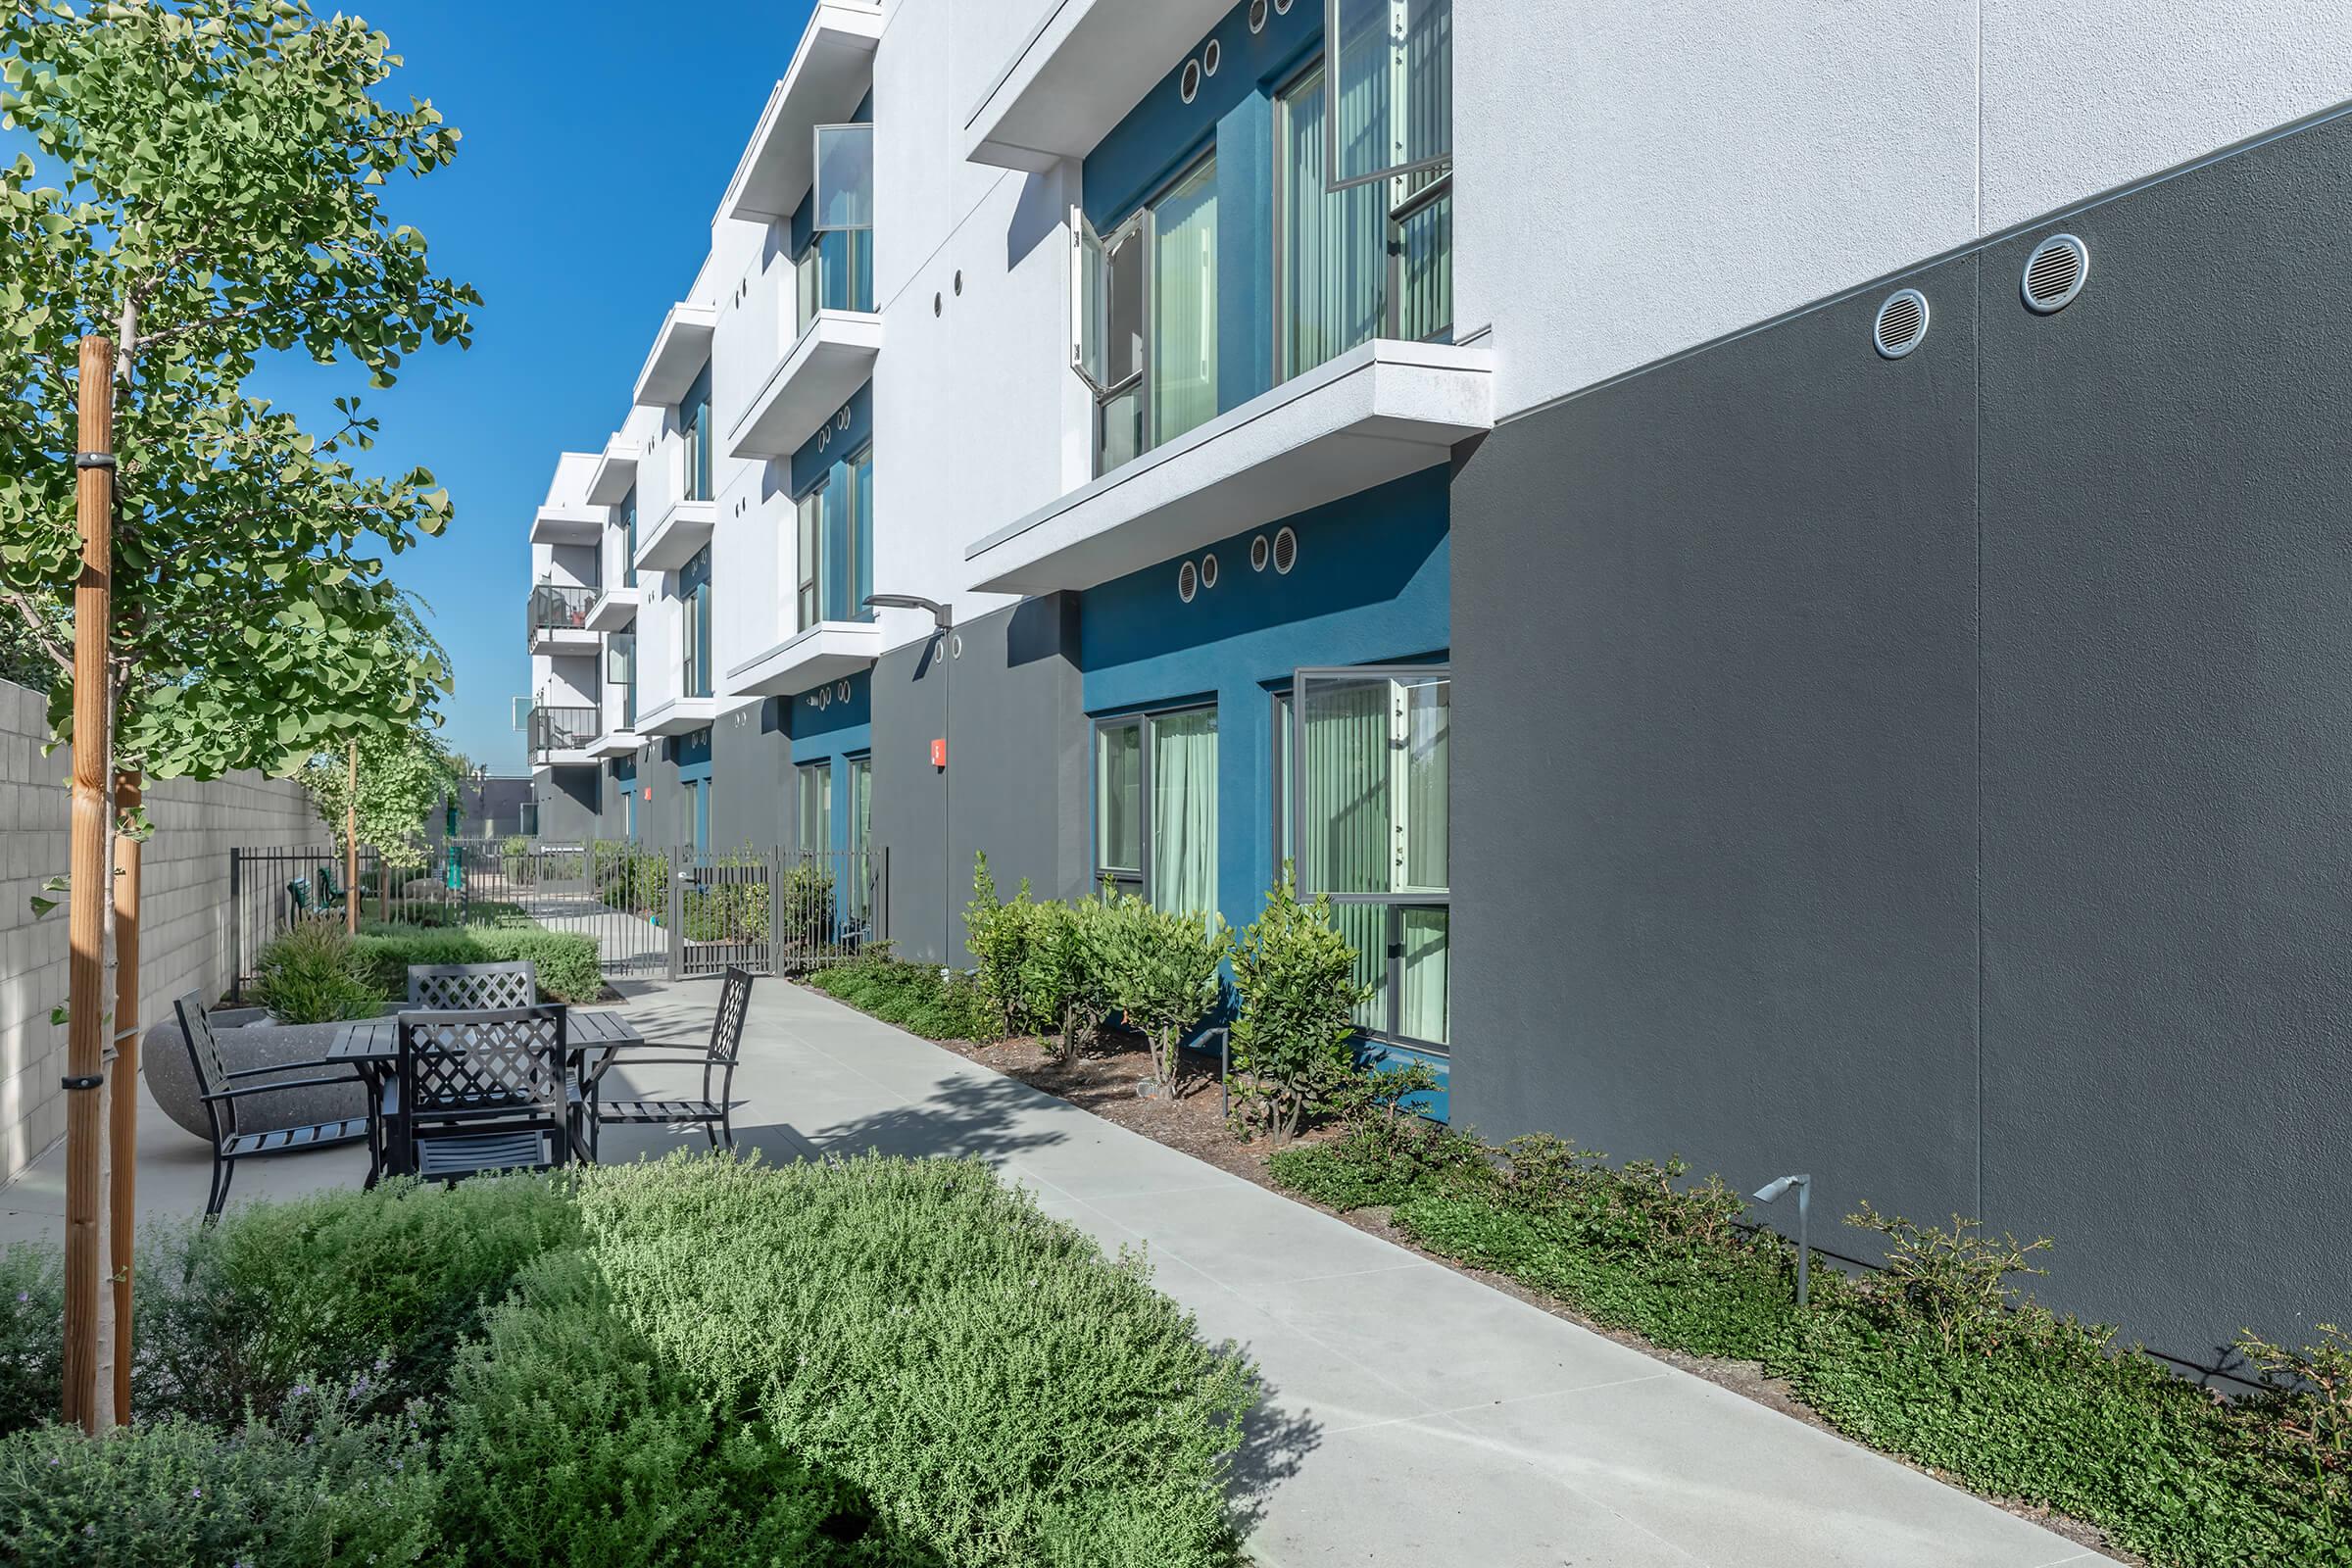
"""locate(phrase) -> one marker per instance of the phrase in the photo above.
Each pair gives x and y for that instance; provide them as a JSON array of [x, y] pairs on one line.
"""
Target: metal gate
[[654, 914]]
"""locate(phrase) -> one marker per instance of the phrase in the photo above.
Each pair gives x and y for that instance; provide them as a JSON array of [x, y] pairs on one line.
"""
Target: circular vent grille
[[1286, 551], [1188, 86], [1211, 57], [841, 691], [824, 698], [1902, 322], [1208, 571], [2056, 272], [1260, 551], [1258, 16], [1282, 8], [1188, 581]]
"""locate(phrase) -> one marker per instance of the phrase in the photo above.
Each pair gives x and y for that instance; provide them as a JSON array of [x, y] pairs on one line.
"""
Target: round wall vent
[[824, 698], [1208, 571], [841, 691], [1260, 551], [955, 646], [1188, 86], [1282, 8], [1211, 57], [1258, 16], [1286, 551], [2054, 272], [1902, 322], [1188, 581]]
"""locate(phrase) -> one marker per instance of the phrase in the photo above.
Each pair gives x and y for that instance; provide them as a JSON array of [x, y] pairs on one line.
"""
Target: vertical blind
[[1334, 243], [1184, 305], [1184, 812], [816, 806]]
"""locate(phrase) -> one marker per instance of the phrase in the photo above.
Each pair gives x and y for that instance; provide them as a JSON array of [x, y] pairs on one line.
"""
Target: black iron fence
[[653, 912]]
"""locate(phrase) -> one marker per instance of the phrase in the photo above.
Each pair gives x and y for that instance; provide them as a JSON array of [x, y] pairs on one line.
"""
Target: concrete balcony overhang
[[616, 472], [826, 652], [567, 525], [564, 757], [615, 609], [614, 743], [829, 75], [680, 351], [679, 715], [683, 530], [1080, 73], [564, 642], [817, 375], [1374, 413]]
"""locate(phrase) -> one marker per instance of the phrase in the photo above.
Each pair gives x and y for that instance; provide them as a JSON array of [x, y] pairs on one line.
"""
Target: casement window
[[833, 555], [1144, 333], [694, 625], [620, 669], [836, 272], [854, 876], [628, 539], [694, 429], [1156, 807], [1393, 61], [816, 784], [1368, 794], [1354, 262]]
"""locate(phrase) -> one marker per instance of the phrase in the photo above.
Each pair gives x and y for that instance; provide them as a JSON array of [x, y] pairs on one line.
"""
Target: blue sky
[[598, 139]]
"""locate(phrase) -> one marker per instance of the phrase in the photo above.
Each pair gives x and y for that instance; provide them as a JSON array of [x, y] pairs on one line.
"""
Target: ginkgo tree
[[205, 182]]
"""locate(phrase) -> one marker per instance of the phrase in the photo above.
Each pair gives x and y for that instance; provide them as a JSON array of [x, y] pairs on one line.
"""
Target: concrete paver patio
[[1412, 1415]]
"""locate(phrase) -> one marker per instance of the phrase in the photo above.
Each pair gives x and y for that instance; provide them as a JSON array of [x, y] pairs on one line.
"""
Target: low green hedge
[[1934, 1359], [912, 996], [567, 960], [698, 1361]]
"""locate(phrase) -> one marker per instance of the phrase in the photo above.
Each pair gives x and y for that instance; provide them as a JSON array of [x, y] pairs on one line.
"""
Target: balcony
[[817, 375], [680, 351], [826, 652], [567, 525], [677, 716], [615, 609], [1377, 412], [615, 473], [615, 743], [1078, 74], [829, 76], [558, 619], [685, 528], [559, 737]]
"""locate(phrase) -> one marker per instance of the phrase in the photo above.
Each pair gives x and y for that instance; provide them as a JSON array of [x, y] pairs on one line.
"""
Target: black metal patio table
[[373, 1046]]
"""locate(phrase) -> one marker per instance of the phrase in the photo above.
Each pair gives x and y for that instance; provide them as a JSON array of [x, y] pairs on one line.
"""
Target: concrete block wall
[[184, 904]]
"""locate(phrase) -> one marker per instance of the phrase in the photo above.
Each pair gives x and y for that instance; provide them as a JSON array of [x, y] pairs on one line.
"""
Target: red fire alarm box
[[939, 753]]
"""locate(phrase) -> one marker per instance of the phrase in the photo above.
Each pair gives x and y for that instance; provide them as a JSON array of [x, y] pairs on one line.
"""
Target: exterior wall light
[[1771, 1192]]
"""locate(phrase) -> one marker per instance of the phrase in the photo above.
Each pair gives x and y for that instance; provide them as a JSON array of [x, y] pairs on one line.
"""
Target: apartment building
[[1871, 471]]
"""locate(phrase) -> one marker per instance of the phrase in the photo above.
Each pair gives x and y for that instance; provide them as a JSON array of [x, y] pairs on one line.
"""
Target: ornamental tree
[[402, 777]]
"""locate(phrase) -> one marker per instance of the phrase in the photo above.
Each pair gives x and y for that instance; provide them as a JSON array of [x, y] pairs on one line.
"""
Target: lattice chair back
[[505, 1063], [726, 1027], [462, 987], [204, 1054]]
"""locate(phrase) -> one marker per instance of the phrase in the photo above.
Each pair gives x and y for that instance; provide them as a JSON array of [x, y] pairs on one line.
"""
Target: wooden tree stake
[[351, 845], [86, 1026], [123, 1104]]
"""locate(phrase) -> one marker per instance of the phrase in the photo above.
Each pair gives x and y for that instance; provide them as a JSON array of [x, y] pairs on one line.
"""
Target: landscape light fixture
[[1771, 1192]]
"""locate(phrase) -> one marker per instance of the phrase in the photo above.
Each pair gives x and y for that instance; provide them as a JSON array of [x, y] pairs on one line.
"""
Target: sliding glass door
[[1155, 808]]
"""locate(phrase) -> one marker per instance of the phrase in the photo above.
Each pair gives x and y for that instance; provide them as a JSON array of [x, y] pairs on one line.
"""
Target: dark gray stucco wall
[[1011, 708], [570, 804], [751, 773], [1932, 774]]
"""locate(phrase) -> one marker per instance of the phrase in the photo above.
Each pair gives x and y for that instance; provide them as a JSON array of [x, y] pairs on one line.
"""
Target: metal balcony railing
[[559, 607], [561, 729]]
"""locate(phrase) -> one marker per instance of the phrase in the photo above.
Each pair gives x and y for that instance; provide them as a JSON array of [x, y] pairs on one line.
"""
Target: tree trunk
[[86, 1020], [122, 1103]]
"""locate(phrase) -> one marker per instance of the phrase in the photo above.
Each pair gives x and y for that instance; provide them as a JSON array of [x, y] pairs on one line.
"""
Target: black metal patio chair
[[457, 986], [484, 1089], [222, 1091], [715, 1115]]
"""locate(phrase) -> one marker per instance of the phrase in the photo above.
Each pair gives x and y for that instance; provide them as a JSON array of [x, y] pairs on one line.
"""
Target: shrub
[[1953, 1281], [806, 902], [32, 1303], [567, 960], [1163, 969], [2306, 1403], [632, 879], [1293, 1030], [372, 1289], [569, 1443], [998, 935], [915, 997], [1001, 1393], [314, 974], [1064, 981], [314, 1487]]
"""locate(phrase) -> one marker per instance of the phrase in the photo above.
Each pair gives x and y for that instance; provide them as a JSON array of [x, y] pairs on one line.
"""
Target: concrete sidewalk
[[1412, 1416]]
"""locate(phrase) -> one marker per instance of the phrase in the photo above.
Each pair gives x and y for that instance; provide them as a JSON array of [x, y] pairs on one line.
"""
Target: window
[[815, 783], [858, 877], [1156, 807], [694, 623], [694, 429], [1359, 261], [1394, 64], [1370, 799], [628, 538], [833, 561], [1145, 329], [844, 180], [620, 669], [836, 272]]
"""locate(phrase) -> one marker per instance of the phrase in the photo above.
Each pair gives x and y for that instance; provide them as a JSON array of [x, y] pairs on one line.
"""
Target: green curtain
[[1334, 243], [1343, 790], [1183, 813], [816, 807], [1428, 721], [1184, 305], [1422, 1014], [1425, 269], [1378, 132], [861, 820], [1118, 797]]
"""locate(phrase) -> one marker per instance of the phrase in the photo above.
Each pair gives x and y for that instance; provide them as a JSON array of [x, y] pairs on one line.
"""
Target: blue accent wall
[[834, 733], [829, 446], [1371, 586], [1234, 111]]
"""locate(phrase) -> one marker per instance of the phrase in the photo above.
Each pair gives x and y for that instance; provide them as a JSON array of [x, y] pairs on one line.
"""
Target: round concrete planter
[[171, 1077]]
